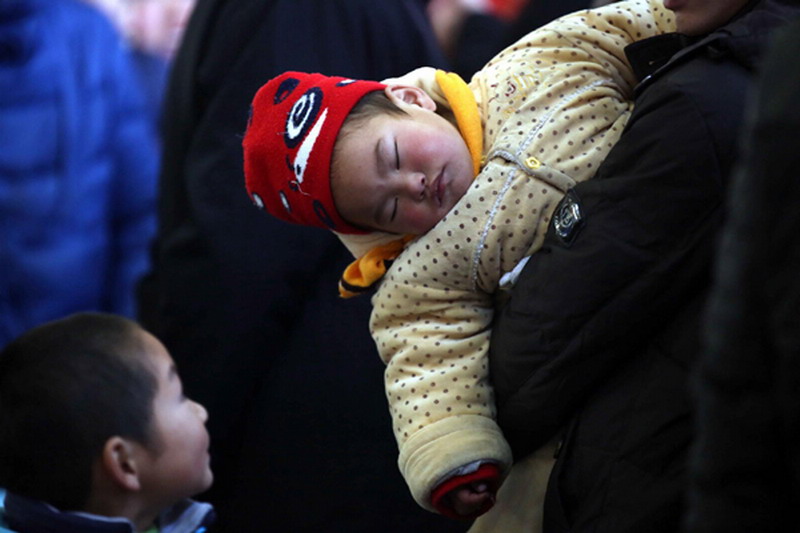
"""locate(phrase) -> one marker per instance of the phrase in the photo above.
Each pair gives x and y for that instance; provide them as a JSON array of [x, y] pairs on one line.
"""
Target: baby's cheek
[[421, 219]]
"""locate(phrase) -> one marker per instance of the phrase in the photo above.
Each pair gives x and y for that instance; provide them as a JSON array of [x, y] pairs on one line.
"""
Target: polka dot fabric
[[552, 106]]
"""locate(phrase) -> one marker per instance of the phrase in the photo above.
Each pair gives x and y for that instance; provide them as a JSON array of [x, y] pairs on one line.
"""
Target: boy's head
[[93, 413], [353, 156]]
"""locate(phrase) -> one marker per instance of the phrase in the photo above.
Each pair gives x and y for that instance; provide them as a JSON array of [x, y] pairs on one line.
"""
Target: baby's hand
[[467, 496], [469, 500]]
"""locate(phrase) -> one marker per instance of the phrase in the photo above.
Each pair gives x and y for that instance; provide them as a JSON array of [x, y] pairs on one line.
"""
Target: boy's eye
[[396, 156], [394, 211]]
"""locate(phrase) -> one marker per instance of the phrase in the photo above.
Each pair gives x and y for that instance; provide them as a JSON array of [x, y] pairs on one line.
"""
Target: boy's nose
[[201, 411]]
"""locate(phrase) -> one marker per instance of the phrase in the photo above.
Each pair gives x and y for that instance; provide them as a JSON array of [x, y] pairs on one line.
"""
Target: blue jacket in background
[[78, 166]]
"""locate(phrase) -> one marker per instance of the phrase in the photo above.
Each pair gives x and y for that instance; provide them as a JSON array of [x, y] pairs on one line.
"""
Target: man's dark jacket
[[602, 328]]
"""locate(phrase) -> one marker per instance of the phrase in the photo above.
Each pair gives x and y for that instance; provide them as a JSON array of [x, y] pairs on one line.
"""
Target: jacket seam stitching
[[476, 257]]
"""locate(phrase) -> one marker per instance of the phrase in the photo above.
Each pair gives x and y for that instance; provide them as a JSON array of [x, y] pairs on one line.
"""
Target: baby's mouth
[[439, 187]]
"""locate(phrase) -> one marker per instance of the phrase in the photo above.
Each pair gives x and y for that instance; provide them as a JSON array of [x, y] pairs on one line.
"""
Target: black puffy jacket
[[602, 328]]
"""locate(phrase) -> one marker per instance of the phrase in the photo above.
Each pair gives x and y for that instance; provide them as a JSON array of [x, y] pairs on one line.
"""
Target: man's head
[[353, 156], [92, 408], [698, 17]]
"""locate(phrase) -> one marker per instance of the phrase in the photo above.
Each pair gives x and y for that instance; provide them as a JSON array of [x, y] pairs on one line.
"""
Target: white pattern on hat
[[304, 153]]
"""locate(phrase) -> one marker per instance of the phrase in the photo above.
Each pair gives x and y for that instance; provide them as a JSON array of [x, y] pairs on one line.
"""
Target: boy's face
[[401, 174], [698, 17], [179, 465]]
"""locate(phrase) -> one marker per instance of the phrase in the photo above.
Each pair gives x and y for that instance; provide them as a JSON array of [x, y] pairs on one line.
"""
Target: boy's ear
[[119, 461], [408, 94]]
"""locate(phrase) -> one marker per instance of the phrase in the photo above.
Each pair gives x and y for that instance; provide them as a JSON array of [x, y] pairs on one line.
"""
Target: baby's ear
[[120, 463], [408, 94]]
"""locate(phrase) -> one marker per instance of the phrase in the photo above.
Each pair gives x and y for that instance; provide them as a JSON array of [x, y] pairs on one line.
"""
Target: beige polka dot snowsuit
[[552, 106]]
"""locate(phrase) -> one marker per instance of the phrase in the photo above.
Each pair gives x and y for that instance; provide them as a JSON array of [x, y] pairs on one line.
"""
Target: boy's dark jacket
[[23, 515], [603, 325]]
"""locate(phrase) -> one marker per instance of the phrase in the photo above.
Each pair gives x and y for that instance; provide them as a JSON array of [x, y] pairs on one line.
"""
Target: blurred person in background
[[300, 438], [539, 12], [745, 462], [78, 165], [153, 29], [472, 32]]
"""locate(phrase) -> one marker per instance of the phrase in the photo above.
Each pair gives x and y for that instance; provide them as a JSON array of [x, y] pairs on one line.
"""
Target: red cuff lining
[[489, 473]]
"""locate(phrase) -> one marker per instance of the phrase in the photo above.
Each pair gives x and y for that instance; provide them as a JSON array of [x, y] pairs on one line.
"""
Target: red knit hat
[[294, 121]]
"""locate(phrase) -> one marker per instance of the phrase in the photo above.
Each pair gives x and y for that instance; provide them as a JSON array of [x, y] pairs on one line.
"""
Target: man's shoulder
[[736, 47]]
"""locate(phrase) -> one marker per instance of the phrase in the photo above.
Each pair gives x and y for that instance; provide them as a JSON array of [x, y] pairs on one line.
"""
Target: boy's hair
[[66, 387], [295, 119]]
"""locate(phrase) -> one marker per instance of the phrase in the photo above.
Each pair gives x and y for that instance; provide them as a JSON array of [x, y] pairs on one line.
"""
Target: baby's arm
[[432, 314], [431, 323], [571, 82], [437, 377]]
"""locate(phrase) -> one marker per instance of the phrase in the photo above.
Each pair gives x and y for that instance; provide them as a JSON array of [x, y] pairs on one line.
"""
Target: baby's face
[[401, 174]]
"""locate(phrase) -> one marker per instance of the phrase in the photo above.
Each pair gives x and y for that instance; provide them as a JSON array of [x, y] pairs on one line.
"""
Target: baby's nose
[[416, 183]]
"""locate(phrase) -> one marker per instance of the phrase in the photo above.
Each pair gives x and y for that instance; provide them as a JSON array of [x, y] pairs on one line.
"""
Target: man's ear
[[119, 461], [408, 94]]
